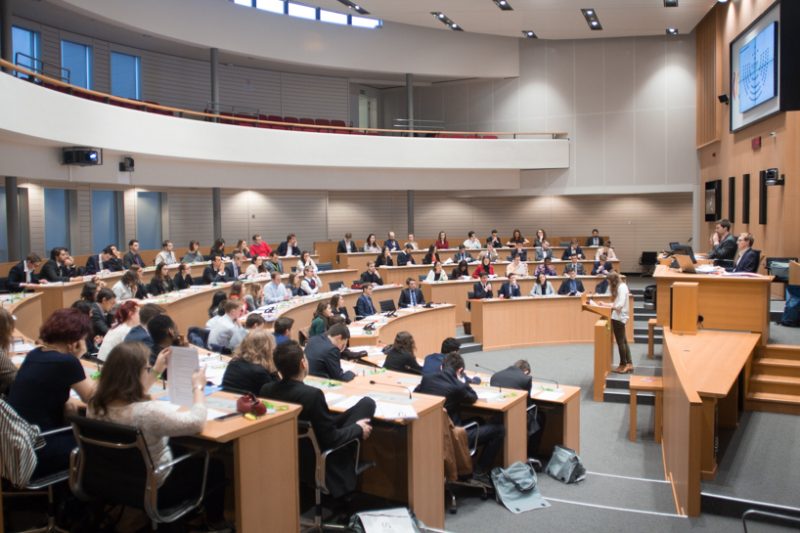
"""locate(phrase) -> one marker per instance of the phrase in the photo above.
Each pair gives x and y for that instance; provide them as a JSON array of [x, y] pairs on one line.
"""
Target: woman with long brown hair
[[252, 366], [620, 314], [400, 356], [8, 370]]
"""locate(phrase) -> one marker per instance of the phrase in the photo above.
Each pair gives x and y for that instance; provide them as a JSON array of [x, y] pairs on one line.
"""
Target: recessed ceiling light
[[503, 4], [672, 31], [670, 3], [529, 34], [590, 14], [447, 21], [355, 7]]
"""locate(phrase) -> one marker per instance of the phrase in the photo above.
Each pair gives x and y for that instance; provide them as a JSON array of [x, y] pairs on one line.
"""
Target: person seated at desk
[[595, 239], [251, 366], [463, 255], [432, 256], [371, 244], [224, 330], [283, 330], [105, 261], [482, 289], [510, 289], [494, 240], [215, 309], [331, 430], [384, 258], [8, 370], [24, 273], [140, 333], [544, 251], [436, 274], [490, 252], [60, 267], [275, 291], [472, 242], [541, 238], [193, 255], [41, 390], [518, 377], [132, 257], [519, 252], [722, 241], [460, 271], [241, 248], [516, 266], [273, 264], [484, 266], [217, 249], [364, 305], [130, 285], [306, 261], [542, 287], [163, 334], [338, 308], [294, 284], [215, 272], [166, 255], [746, 257], [602, 266], [571, 286], [400, 355], [450, 383], [602, 288], [233, 270], [606, 250], [391, 243], [101, 312], [347, 245], [441, 242], [405, 258], [254, 296], [545, 268], [289, 246], [259, 247], [321, 320], [324, 353], [123, 397], [574, 265], [517, 238], [255, 268], [433, 362], [254, 322], [573, 249], [371, 275], [412, 241], [411, 295], [161, 282]]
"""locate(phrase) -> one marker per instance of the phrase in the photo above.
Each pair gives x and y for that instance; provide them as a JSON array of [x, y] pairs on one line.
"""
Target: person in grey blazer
[[542, 287]]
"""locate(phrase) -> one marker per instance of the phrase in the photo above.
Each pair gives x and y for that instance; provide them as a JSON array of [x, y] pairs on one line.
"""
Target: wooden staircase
[[774, 384]]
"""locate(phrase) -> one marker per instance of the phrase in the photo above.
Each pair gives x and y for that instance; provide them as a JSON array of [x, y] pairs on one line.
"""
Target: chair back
[[324, 267], [336, 285], [387, 306], [198, 336], [18, 442]]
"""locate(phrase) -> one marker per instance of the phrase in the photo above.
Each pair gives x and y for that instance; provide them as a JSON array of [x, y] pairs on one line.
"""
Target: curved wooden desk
[[429, 326], [27, 309]]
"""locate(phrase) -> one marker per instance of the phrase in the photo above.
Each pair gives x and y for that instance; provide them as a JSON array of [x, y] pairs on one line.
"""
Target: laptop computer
[[685, 264]]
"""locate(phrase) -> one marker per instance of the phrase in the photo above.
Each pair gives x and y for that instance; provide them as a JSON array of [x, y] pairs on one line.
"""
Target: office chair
[[324, 267], [423, 277], [336, 285], [198, 336], [309, 446], [387, 306], [469, 482], [112, 465], [20, 439], [648, 262]]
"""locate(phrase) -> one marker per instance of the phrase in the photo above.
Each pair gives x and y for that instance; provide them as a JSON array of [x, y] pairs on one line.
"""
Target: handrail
[[181, 112], [775, 518]]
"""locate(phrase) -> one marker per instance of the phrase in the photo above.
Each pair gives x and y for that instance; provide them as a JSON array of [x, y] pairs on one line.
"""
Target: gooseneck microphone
[[491, 371], [373, 382], [537, 378]]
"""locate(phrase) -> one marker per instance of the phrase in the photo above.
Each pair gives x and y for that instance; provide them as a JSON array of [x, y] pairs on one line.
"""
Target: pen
[[229, 415]]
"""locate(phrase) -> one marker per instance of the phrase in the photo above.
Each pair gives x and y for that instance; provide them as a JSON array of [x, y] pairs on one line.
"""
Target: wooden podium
[[602, 345]]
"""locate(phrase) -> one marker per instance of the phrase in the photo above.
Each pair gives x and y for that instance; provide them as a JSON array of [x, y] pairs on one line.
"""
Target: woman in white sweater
[[125, 319], [620, 313], [122, 397]]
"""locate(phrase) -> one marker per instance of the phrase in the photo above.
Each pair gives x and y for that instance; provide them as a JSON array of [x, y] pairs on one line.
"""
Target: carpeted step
[[725, 505], [642, 339], [624, 396], [464, 339], [470, 347]]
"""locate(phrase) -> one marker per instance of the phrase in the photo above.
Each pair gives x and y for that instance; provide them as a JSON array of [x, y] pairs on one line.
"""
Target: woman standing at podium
[[620, 313]]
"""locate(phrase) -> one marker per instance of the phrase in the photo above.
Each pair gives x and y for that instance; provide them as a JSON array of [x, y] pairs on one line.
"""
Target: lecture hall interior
[[625, 172]]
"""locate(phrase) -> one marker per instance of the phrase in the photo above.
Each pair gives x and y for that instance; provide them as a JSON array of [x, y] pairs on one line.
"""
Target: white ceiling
[[550, 19]]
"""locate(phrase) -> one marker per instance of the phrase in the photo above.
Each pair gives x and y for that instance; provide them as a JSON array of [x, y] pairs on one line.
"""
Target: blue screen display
[[757, 74]]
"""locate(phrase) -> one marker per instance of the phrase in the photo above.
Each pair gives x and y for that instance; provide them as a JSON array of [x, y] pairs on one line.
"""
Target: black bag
[[566, 466]]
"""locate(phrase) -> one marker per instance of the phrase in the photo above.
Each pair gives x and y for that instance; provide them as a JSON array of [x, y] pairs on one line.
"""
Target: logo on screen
[[757, 69]]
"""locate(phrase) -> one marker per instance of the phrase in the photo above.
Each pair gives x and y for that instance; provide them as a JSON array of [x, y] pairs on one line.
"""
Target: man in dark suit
[[132, 257], [494, 240], [289, 246], [347, 245], [518, 377], [24, 272], [573, 249], [324, 353], [140, 333], [518, 251], [371, 275], [510, 289], [433, 362], [364, 305], [60, 267], [450, 384], [594, 240], [574, 265], [405, 258], [215, 272], [411, 295], [463, 255], [571, 286], [391, 243], [233, 270], [331, 430], [747, 260], [722, 241], [101, 311], [105, 260], [482, 289]]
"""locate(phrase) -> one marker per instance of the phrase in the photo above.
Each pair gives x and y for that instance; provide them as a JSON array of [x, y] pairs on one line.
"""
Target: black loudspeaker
[[762, 197], [82, 156], [732, 199], [746, 198], [126, 165]]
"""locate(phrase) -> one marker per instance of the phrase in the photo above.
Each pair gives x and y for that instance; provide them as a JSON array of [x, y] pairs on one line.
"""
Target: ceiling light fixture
[[529, 34], [670, 3], [672, 31], [503, 4], [355, 7], [590, 15], [447, 21]]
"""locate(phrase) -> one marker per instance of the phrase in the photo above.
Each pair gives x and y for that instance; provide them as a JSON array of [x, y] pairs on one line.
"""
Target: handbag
[[249, 404], [565, 465], [516, 488]]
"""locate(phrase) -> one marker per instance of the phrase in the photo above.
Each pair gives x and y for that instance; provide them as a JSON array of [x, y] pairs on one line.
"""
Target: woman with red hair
[[125, 319]]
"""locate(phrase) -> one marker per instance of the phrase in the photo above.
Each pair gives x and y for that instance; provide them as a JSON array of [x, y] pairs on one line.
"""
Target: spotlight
[[355, 7], [590, 14], [672, 31], [447, 21], [503, 4], [670, 3], [529, 34]]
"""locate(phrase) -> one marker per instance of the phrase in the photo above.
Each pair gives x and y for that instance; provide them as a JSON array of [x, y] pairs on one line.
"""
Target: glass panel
[[125, 80], [276, 6], [248, 3], [3, 226], [25, 45], [362, 22], [303, 12], [148, 220], [105, 228], [78, 59], [330, 16], [56, 219]]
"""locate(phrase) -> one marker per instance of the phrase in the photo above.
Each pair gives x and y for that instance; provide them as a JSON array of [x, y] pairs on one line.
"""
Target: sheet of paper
[[394, 410], [348, 402], [22, 347], [489, 394], [387, 521], [333, 397], [212, 414], [182, 364], [549, 395], [17, 360]]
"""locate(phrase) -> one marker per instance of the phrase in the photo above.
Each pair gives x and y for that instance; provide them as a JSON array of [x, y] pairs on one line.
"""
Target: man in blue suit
[[571, 286], [411, 296], [747, 258], [105, 260], [510, 288], [364, 305]]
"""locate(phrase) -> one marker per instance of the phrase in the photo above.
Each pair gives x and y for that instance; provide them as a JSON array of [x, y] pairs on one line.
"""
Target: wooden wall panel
[[707, 81]]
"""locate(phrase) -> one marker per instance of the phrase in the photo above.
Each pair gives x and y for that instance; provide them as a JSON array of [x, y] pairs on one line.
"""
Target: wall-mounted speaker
[[746, 198], [762, 197], [126, 165], [732, 198]]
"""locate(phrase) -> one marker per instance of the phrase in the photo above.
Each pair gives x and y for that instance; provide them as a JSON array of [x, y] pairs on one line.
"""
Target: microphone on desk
[[486, 368], [537, 378], [373, 382]]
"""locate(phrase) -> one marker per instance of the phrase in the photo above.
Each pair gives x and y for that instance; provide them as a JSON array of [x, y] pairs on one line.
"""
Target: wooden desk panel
[[27, 309], [58, 296], [345, 276], [429, 327]]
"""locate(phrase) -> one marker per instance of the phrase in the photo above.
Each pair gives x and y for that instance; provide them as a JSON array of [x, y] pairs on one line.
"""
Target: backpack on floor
[[566, 466], [516, 488]]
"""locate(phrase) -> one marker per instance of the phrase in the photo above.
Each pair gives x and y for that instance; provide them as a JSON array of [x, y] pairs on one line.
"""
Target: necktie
[[413, 300], [572, 286]]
